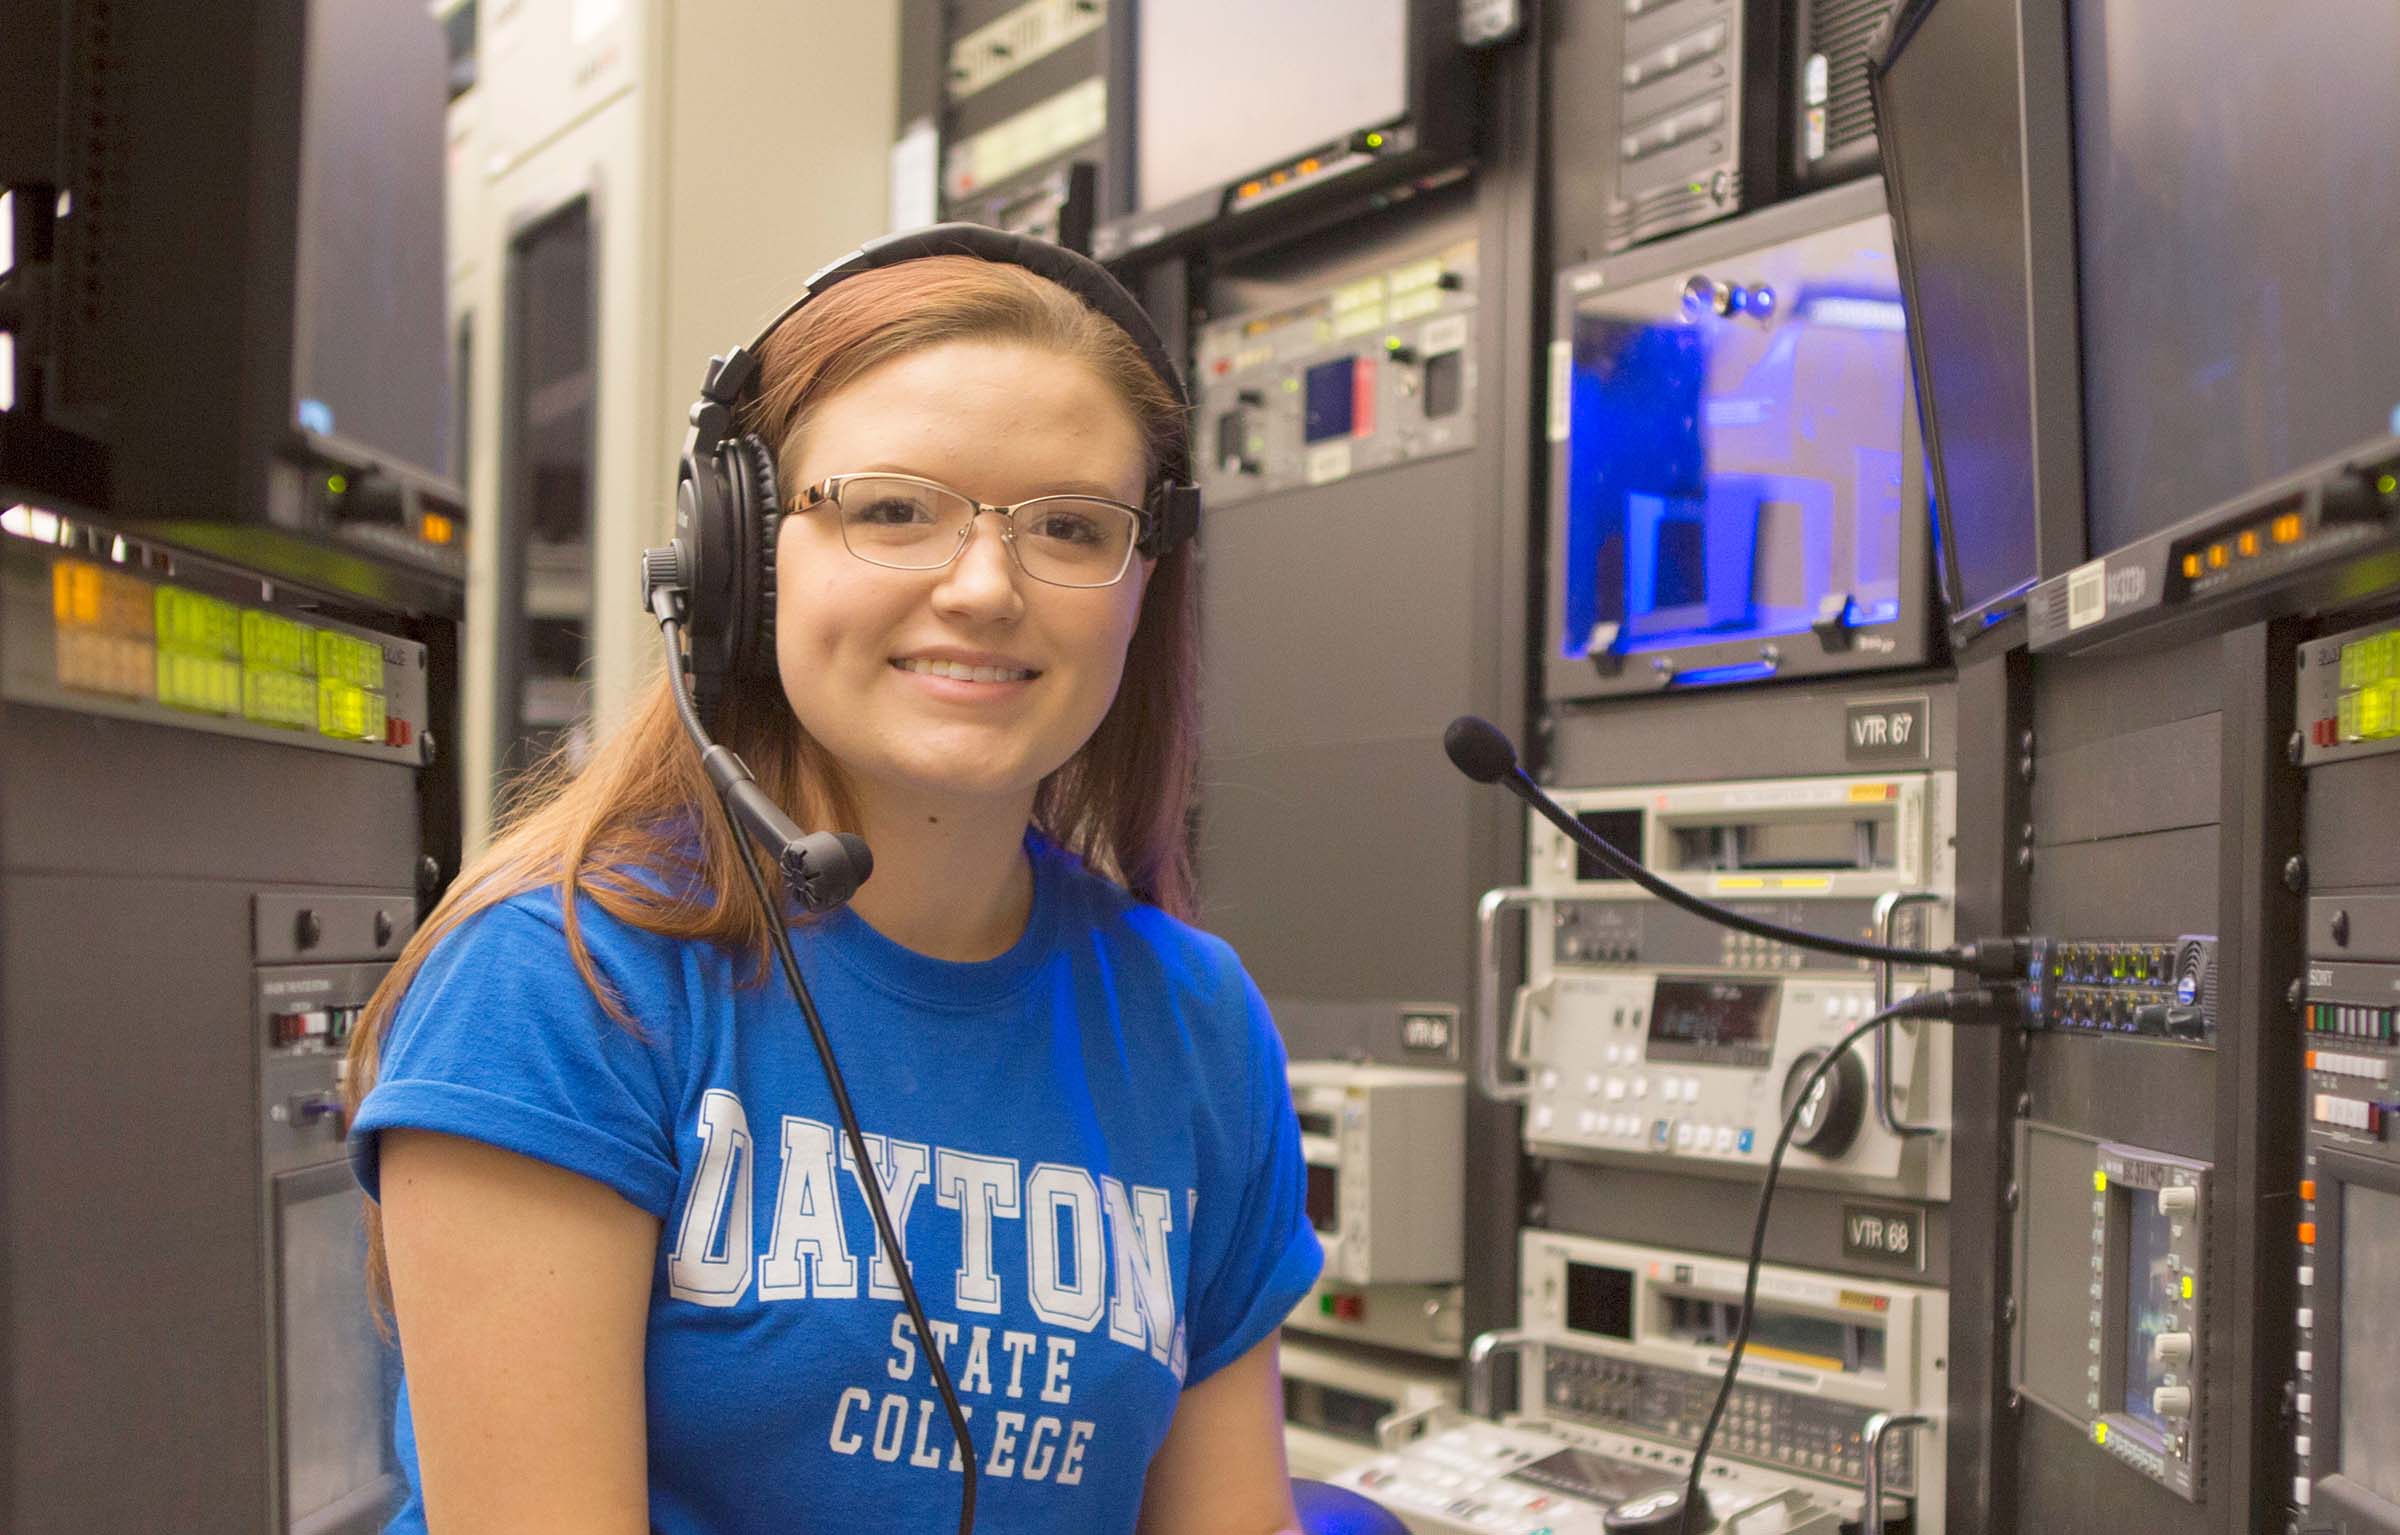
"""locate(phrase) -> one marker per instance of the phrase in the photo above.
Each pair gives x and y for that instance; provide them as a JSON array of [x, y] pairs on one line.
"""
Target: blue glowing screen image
[[1734, 447]]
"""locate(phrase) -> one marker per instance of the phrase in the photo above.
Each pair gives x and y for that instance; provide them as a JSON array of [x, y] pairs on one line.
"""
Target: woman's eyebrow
[[1056, 487]]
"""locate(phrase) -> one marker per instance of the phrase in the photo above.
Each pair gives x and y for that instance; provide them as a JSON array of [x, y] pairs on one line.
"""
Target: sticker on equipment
[[2087, 595]]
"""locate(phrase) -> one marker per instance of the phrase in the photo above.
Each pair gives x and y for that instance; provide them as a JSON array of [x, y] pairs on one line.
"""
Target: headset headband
[[1173, 498]]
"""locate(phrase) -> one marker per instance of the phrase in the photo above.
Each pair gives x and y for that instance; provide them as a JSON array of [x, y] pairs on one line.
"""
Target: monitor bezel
[[1911, 638], [2050, 306], [1434, 134]]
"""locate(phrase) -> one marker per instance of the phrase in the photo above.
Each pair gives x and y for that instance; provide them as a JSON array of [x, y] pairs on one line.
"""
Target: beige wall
[[775, 123], [730, 148], [763, 195]]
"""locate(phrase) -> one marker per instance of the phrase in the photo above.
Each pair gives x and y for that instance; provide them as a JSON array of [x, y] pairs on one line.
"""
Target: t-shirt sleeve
[[1270, 1253], [500, 1040]]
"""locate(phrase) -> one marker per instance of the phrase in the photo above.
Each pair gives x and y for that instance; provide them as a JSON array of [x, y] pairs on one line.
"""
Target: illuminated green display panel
[[212, 656]]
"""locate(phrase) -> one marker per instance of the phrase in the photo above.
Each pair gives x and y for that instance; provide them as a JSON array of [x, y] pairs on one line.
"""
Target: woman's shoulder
[[1106, 908], [1164, 966], [530, 930]]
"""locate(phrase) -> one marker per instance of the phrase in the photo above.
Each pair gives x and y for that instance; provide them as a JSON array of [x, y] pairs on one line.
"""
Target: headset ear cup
[[758, 514], [704, 528]]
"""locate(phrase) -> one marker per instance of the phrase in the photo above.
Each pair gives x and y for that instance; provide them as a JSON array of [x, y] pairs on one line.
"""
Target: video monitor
[[2235, 202], [2369, 1401], [1332, 67], [1739, 492], [371, 351], [1987, 264], [1250, 115]]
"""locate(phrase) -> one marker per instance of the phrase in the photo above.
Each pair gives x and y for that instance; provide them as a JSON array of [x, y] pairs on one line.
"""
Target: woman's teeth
[[964, 673]]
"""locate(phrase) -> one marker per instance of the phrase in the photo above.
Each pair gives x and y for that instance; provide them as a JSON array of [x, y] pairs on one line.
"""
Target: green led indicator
[[1697, 186], [1374, 141], [2385, 484], [336, 483], [278, 698]]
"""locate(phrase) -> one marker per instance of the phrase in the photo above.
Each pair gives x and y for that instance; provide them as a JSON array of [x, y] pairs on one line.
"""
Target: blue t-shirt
[[1087, 1145]]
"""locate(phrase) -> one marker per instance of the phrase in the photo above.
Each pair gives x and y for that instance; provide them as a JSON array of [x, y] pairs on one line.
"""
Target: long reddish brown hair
[[1119, 804]]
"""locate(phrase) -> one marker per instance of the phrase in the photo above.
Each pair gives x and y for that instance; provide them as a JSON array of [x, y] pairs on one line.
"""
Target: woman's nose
[[983, 581]]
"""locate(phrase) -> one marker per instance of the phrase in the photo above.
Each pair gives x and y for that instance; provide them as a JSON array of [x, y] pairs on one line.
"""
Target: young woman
[[634, 1276]]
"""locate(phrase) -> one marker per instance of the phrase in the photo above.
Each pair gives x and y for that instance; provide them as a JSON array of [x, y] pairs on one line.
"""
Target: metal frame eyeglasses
[[902, 549]]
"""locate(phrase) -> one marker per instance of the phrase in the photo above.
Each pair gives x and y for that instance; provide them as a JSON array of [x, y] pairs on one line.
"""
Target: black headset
[[728, 507]]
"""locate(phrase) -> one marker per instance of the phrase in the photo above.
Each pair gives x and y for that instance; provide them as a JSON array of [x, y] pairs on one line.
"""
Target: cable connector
[[1989, 1003], [1999, 959]]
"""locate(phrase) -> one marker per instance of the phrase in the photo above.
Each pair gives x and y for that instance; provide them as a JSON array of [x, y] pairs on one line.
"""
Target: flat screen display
[[371, 346], [1954, 160], [2235, 201], [2370, 1375], [1232, 87], [2150, 1294]]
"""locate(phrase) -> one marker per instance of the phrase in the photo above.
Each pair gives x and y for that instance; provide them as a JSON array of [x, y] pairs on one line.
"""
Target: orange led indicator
[[2191, 567], [2286, 528], [2248, 543], [1310, 167], [2308, 1233], [1278, 178], [437, 529], [2218, 559], [2312, 1065], [1252, 188], [2308, 1186]]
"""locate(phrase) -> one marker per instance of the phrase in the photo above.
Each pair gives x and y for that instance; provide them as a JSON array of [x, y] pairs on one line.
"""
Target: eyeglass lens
[[1064, 540]]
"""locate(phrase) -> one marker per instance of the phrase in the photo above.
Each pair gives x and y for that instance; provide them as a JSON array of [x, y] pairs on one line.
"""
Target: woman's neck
[[951, 880]]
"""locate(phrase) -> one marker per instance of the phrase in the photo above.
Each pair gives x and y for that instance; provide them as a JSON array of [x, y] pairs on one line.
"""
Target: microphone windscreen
[[1479, 750], [862, 862]]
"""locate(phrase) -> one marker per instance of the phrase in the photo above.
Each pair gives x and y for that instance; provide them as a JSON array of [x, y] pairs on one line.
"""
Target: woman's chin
[[958, 783]]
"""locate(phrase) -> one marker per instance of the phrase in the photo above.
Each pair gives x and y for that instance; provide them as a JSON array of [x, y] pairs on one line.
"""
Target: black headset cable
[[871, 1181]]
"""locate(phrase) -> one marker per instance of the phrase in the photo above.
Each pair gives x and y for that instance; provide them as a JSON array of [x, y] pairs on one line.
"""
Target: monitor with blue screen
[[1739, 495]]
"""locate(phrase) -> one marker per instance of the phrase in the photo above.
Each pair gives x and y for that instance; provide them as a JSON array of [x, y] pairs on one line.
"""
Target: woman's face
[[1001, 422]]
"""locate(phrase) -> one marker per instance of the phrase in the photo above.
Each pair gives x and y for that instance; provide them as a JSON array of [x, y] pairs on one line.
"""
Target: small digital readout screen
[[1324, 1198], [1711, 1018], [1622, 829], [1600, 1300]]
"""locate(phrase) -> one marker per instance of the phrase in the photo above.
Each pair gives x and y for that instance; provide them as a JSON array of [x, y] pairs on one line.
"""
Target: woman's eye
[[891, 511], [1069, 527]]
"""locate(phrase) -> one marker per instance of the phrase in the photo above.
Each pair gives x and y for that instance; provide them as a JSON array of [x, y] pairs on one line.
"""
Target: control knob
[[1830, 1120], [2170, 1348], [2172, 1401]]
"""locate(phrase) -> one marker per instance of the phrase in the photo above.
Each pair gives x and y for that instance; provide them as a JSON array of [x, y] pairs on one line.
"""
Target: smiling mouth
[[960, 673]]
